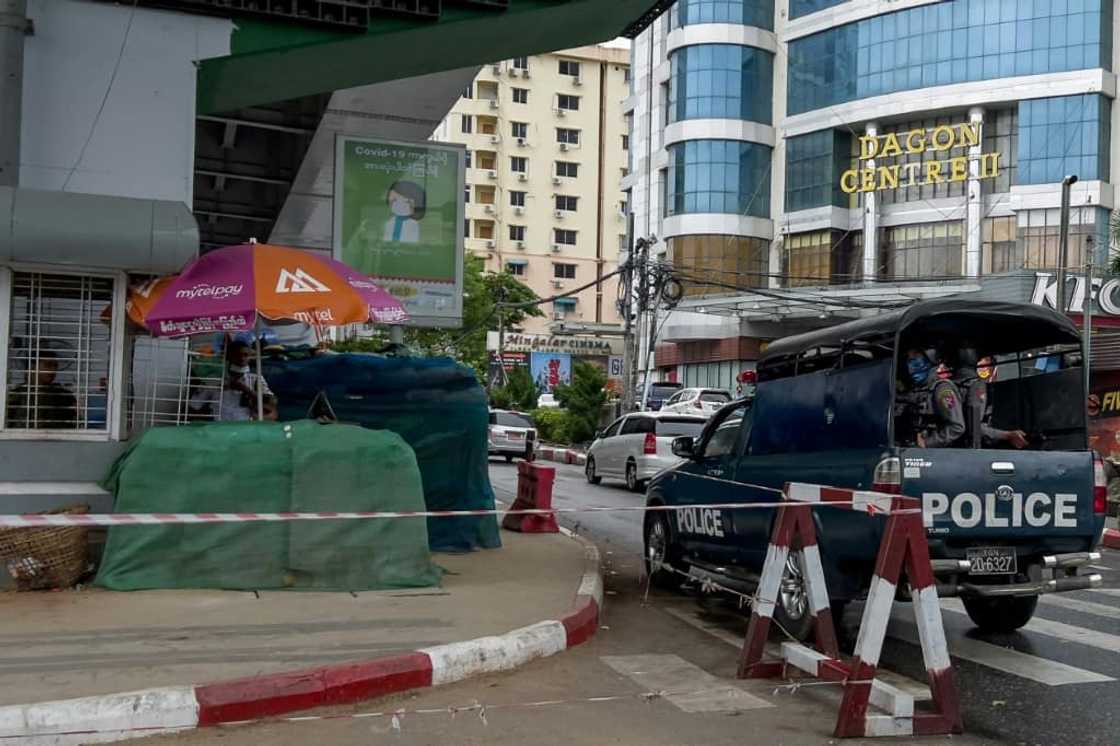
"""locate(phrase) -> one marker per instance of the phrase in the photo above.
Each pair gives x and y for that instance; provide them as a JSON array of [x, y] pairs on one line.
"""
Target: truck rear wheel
[[1001, 613], [663, 561]]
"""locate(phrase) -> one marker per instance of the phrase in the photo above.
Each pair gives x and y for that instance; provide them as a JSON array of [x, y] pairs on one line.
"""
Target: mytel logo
[[299, 282], [206, 290]]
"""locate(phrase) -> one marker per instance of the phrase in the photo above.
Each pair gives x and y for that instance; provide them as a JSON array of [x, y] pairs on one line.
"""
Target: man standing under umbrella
[[237, 400]]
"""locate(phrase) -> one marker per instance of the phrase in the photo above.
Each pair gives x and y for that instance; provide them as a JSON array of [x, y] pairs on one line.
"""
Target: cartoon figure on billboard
[[408, 202]]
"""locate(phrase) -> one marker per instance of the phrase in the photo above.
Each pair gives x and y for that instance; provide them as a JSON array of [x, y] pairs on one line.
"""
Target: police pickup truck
[[1004, 524]]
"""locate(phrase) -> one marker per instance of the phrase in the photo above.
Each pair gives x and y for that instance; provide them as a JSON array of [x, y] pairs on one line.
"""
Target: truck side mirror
[[684, 446]]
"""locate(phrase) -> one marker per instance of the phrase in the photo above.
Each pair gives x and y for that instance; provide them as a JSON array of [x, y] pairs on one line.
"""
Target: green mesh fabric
[[268, 468]]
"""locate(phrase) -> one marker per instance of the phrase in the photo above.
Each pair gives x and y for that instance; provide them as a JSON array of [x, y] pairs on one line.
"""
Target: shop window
[[59, 351], [926, 251], [999, 249]]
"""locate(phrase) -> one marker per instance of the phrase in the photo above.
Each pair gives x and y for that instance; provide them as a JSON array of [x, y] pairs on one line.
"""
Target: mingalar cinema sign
[[1106, 293], [945, 139], [578, 346]]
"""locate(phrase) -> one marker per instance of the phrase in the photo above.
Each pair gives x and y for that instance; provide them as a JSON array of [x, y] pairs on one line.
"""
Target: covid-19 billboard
[[398, 217]]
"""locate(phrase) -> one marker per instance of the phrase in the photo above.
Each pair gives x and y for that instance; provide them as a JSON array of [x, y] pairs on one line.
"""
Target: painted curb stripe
[[1111, 538], [581, 623], [261, 696]]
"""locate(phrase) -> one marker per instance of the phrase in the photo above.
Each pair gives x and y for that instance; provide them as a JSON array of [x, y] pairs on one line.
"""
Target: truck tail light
[[1100, 486], [888, 476], [649, 448]]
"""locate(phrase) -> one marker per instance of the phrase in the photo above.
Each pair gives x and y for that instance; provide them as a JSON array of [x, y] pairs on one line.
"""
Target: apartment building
[[546, 151]]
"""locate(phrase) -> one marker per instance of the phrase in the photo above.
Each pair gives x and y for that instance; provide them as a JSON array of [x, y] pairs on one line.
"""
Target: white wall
[[142, 144]]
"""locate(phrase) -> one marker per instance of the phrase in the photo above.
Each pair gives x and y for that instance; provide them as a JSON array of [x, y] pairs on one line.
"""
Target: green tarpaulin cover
[[268, 468]]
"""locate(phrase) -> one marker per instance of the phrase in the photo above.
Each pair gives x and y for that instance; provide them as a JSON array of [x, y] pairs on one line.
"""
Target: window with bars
[[59, 353], [567, 136], [569, 67]]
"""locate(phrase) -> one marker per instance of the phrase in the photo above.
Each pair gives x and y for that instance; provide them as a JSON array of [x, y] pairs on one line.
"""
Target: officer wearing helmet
[[940, 421]]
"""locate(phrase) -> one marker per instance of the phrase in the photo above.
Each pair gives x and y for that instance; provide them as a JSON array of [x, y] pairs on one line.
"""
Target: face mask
[[239, 369], [919, 368], [401, 206]]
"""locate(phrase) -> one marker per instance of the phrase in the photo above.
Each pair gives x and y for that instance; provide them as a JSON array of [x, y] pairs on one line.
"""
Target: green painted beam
[[275, 62]]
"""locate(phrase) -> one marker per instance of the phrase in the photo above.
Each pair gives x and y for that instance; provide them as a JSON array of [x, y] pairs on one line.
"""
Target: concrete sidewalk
[[62, 645]]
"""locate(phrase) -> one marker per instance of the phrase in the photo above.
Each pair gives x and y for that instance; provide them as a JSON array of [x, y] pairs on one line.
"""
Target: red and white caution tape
[[33, 520]]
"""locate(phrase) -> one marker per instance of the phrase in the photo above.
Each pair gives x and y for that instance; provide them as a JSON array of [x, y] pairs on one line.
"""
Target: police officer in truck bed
[[939, 418]]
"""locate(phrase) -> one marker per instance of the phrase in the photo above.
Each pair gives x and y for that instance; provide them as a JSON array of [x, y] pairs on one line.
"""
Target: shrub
[[584, 398], [553, 425]]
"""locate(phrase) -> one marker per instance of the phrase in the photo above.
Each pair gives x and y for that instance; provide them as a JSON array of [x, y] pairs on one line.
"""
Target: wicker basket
[[49, 557]]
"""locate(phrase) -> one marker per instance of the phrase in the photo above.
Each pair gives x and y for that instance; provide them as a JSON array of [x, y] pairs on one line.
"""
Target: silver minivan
[[638, 446]]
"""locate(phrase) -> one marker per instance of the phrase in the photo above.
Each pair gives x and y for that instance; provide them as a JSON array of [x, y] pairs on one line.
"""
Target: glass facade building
[[1064, 135], [956, 41], [798, 8], [719, 176], [759, 13], [721, 81]]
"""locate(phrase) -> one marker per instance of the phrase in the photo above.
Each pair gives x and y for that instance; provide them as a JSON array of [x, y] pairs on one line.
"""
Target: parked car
[[638, 446], [1004, 525], [512, 435], [547, 401], [658, 393], [697, 401]]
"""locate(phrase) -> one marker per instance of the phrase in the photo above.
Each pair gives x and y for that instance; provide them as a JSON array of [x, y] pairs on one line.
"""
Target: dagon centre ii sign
[[947, 138]]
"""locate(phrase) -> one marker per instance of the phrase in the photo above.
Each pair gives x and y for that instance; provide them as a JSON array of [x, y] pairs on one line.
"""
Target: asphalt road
[[1058, 686], [1052, 684]]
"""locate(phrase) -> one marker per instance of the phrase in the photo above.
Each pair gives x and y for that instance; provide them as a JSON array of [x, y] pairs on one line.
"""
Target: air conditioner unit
[[518, 210], [520, 245], [493, 174], [495, 139], [556, 248], [521, 141], [577, 80], [558, 213], [489, 208], [512, 71], [563, 146], [558, 316], [490, 244], [497, 68], [493, 103], [557, 284], [525, 73], [523, 176], [556, 180], [559, 111]]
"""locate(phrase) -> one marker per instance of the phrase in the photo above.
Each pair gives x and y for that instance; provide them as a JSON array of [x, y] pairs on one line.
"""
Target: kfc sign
[[1105, 295]]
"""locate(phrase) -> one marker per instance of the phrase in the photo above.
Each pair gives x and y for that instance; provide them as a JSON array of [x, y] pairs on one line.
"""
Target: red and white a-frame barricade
[[903, 545]]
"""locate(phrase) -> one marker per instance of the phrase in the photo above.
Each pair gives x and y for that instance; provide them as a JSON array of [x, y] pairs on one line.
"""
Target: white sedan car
[[638, 446], [511, 435], [705, 402]]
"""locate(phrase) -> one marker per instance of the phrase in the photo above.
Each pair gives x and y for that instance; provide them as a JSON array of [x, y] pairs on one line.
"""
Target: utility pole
[[630, 276], [1087, 317], [1063, 242], [13, 28], [500, 308]]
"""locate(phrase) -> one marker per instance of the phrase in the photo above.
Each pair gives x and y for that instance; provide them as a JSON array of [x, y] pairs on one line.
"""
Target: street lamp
[[1063, 241]]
